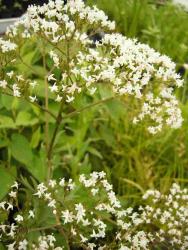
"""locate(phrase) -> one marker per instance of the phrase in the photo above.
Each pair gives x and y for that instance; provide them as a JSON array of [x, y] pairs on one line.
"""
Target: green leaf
[[116, 109], [2, 247], [6, 122], [41, 89], [86, 166], [28, 57], [20, 149], [22, 152], [105, 91], [3, 142], [38, 167], [7, 101], [61, 241], [6, 179], [95, 152], [36, 138], [44, 215], [25, 119]]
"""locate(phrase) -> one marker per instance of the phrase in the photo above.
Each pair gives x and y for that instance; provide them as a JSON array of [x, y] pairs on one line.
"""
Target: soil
[[15, 8]]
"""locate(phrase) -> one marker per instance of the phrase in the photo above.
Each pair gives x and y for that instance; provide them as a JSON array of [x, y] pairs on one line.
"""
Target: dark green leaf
[[6, 179]]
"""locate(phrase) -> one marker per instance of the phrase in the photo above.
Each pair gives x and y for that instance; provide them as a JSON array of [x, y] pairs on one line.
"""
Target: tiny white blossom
[[31, 214], [3, 84], [19, 218]]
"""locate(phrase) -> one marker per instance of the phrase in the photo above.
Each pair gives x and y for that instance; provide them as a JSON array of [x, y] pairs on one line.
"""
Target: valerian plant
[[70, 64], [73, 64]]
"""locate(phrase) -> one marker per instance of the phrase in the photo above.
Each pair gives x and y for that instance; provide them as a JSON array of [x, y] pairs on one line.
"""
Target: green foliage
[[138, 161], [102, 137], [163, 26], [7, 178]]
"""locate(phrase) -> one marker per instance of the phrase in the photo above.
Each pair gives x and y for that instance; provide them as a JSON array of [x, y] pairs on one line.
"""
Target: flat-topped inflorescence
[[63, 34], [102, 222]]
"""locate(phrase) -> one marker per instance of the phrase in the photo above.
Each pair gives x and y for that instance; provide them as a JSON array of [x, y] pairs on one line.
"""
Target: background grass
[[139, 161]]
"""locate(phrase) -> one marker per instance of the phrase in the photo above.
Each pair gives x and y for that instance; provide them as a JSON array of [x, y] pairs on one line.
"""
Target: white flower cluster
[[45, 242], [86, 213], [7, 46], [128, 67]]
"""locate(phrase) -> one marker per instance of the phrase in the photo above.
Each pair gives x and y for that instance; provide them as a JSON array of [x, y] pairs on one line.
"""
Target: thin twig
[[46, 115], [59, 116], [58, 122]]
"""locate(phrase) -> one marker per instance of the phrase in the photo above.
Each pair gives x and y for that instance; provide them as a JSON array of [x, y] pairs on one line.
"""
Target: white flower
[[20, 78], [41, 189], [69, 98], [33, 98], [58, 98], [83, 239], [92, 91], [19, 218], [16, 90], [7, 46], [70, 184], [67, 216], [52, 183], [23, 245], [13, 194], [2, 204], [15, 185], [10, 74], [53, 88], [62, 182], [94, 191], [51, 78], [10, 206], [3, 84], [52, 203], [11, 246], [33, 84], [55, 58], [31, 214], [80, 212]]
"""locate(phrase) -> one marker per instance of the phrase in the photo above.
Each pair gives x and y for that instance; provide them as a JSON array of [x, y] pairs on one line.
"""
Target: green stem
[[58, 123], [76, 112], [49, 165]]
